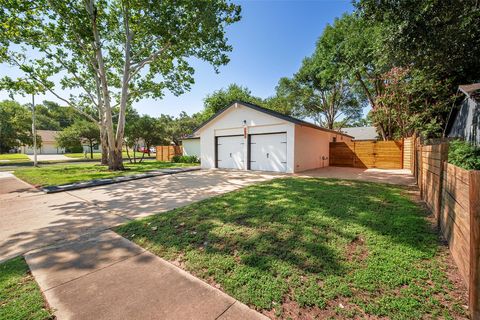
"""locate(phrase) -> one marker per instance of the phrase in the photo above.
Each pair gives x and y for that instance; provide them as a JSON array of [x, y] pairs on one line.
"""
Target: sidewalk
[[108, 277]]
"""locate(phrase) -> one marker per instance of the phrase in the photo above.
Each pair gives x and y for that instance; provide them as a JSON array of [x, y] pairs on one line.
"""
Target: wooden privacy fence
[[367, 154], [453, 195], [166, 153]]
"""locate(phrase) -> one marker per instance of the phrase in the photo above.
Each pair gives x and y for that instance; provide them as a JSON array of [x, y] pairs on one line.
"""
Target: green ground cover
[[308, 248], [50, 175], [20, 296]]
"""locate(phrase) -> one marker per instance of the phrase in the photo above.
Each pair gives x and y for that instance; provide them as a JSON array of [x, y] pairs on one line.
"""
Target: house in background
[[362, 133], [48, 145], [464, 119], [245, 136], [191, 146]]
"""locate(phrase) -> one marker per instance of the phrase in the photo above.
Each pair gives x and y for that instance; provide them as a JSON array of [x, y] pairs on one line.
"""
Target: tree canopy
[[15, 126], [114, 52], [78, 134], [224, 97]]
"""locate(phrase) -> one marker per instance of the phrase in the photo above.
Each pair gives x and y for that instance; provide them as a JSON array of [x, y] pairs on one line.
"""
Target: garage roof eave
[[272, 113]]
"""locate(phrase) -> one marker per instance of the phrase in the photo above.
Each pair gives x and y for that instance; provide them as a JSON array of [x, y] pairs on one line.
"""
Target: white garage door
[[268, 152], [230, 153]]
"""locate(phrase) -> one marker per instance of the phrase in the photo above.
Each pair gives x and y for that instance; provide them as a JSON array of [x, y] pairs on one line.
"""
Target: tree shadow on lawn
[[293, 238]]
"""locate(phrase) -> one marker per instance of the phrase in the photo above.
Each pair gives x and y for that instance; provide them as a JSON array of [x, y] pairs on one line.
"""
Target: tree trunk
[[91, 149], [103, 140], [128, 153], [124, 97], [143, 156], [114, 159], [104, 145]]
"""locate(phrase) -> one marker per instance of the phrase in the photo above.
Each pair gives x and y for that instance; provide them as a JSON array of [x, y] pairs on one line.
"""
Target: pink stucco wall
[[312, 147]]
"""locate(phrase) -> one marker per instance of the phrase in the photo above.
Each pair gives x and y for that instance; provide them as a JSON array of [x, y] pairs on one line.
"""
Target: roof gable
[[271, 113]]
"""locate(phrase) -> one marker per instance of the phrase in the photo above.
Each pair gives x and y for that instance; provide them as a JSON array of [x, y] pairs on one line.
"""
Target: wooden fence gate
[[367, 154], [166, 153]]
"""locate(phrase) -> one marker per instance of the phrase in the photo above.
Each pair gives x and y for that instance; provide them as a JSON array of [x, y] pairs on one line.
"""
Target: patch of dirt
[[459, 292], [356, 250], [179, 262], [339, 308]]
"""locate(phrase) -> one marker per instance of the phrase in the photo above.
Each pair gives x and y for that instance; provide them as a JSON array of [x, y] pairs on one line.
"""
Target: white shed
[[245, 136], [191, 146]]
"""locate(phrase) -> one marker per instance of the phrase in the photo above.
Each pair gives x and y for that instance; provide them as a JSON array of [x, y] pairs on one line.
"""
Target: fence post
[[420, 169], [474, 283]]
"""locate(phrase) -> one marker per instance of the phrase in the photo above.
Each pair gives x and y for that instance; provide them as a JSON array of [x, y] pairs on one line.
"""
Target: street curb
[[107, 181]]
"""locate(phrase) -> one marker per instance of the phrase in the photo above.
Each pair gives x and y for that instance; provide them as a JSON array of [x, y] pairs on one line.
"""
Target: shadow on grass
[[304, 240]]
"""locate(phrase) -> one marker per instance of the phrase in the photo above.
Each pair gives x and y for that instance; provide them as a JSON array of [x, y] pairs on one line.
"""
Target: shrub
[[464, 155], [185, 159]]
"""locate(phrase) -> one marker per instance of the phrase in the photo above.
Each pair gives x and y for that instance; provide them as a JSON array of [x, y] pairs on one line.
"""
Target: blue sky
[[268, 43]]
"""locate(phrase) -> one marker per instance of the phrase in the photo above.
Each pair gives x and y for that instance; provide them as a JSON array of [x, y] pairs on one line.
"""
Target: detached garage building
[[245, 136]]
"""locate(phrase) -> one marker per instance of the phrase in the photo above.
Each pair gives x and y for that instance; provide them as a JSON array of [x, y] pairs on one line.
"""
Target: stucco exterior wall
[[231, 122], [312, 147], [191, 147]]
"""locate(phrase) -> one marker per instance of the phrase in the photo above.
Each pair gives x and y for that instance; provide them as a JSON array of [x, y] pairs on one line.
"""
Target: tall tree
[[352, 45], [116, 52], [78, 134], [437, 41], [222, 98], [439, 37], [174, 129], [15, 126], [321, 87], [51, 116], [284, 101]]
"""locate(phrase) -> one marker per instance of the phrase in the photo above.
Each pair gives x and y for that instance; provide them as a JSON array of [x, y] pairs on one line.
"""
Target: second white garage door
[[268, 152], [230, 153]]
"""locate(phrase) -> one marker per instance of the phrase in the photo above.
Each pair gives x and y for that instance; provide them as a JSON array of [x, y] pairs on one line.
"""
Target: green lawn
[[68, 173], [20, 296], [97, 155], [14, 156], [307, 248]]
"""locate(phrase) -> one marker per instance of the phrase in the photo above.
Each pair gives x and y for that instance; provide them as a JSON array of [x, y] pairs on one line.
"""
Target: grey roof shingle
[[362, 133]]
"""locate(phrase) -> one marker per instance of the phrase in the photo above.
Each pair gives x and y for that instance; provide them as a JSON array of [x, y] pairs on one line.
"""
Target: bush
[[464, 155], [185, 159], [74, 149]]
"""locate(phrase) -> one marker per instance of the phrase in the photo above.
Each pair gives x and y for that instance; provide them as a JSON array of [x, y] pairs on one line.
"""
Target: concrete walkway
[[392, 176], [32, 219], [109, 277], [87, 271]]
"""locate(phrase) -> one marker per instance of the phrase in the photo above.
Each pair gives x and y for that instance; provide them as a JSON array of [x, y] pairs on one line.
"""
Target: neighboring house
[[191, 146], [48, 145], [362, 133], [86, 147], [248, 137], [464, 119]]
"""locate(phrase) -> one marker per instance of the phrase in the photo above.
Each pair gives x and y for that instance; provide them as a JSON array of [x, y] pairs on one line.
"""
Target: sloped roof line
[[468, 89], [271, 113]]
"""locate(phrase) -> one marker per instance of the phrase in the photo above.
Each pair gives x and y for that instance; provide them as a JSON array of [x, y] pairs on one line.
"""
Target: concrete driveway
[[391, 176], [32, 219]]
